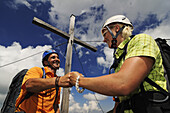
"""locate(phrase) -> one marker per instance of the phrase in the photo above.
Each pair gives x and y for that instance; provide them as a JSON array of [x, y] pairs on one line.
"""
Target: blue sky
[[20, 38]]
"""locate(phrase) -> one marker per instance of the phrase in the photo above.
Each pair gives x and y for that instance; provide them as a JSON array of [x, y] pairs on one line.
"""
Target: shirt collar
[[48, 71], [122, 44], [120, 48]]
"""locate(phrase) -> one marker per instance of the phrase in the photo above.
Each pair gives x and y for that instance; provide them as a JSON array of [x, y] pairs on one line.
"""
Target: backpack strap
[[29, 94], [117, 61], [44, 75], [157, 86], [57, 88]]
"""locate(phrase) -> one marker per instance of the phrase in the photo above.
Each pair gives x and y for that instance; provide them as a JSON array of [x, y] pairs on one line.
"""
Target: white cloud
[[80, 53], [63, 9], [49, 36], [22, 2], [91, 106], [95, 96], [60, 72], [101, 60], [161, 31], [108, 60], [87, 53], [54, 42], [88, 106]]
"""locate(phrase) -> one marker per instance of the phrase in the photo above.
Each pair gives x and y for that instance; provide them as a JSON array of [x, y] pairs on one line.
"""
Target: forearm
[[39, 84], [131, 74], [106, 85]]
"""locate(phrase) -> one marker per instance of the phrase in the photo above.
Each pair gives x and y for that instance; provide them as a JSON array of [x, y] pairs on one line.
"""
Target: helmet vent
[[124, 18]]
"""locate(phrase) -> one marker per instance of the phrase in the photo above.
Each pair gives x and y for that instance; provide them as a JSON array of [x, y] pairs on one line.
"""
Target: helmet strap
[[114, 41]]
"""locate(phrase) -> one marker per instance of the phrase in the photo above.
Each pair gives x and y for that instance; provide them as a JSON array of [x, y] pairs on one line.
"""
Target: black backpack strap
[[117, 61], [29, 94], [157, 86], [57, 88]]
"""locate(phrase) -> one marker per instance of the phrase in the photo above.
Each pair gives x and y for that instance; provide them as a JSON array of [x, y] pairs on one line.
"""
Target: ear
[[117, 27], [45, 62]]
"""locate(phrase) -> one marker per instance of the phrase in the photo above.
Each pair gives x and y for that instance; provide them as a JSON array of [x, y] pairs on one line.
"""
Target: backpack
[[14, 91], [165, 52]]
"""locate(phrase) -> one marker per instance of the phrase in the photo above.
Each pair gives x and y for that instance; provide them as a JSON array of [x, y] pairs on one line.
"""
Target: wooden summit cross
[[71, 38]]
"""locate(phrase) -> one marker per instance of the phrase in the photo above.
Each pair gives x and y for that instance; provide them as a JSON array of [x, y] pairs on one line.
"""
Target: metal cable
[[28, 56], [97, 101]]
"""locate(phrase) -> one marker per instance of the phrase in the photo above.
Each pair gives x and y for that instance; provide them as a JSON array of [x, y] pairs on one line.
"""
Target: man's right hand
[[64, 81]]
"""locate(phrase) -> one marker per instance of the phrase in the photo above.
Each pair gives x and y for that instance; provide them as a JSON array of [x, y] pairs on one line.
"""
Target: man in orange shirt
[[46, 91]]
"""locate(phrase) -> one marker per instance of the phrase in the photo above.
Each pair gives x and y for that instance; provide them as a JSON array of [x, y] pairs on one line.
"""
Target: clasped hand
[[69, 79]]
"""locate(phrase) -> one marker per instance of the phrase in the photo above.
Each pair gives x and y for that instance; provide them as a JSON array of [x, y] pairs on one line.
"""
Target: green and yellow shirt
[[143, 45]]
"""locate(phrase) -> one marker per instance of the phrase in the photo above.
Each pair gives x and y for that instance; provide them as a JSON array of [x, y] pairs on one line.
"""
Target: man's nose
[[57, 59]]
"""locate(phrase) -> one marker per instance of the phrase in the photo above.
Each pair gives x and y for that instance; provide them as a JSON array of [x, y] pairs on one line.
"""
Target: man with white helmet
[[45, 90], [143, 59]]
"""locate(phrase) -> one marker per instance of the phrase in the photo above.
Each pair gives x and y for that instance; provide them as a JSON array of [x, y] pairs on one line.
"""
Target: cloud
[[80, 53], [87, 53], [60, 72], [161, 31], [108, 60], [88, 106], [95, 96], [14, 58], [17, 3], [61, 9], [49, 36]]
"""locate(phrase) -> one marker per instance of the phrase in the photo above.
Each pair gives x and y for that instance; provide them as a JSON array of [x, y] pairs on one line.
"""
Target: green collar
[[120, 48], [122, 44]]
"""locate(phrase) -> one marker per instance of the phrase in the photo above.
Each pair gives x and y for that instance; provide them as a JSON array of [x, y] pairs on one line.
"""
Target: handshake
[[69, 80]]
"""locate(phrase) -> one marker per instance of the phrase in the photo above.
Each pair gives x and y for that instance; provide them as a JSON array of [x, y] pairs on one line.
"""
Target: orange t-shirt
[[41, 102]]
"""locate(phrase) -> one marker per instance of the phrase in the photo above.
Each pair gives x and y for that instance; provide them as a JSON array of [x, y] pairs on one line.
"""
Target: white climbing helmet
[[117, 19]]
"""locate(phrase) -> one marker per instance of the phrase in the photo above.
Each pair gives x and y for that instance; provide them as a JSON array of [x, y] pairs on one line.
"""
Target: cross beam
[[61, 33]]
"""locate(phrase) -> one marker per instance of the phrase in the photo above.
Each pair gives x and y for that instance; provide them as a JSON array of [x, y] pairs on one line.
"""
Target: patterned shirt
[[143, 45]]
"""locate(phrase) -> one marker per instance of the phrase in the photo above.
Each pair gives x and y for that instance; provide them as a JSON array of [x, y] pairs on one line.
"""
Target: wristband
[[57, 80], [77, 85]]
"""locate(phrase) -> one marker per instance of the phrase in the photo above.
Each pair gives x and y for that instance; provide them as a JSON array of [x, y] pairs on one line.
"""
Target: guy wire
[[29, 56], [85, 76]]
